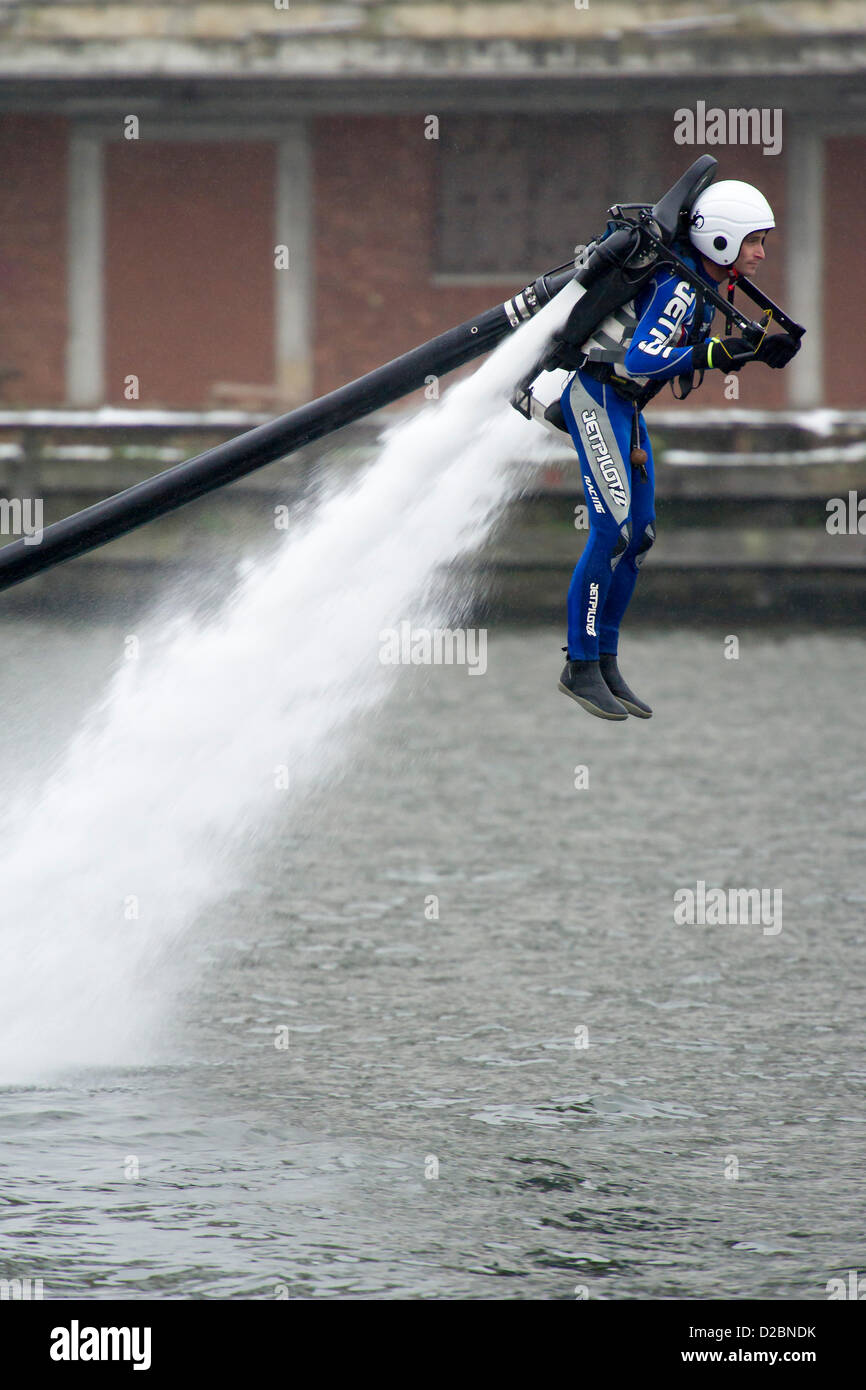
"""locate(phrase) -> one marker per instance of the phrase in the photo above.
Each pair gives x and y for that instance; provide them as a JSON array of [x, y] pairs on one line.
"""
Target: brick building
[[417, 161]]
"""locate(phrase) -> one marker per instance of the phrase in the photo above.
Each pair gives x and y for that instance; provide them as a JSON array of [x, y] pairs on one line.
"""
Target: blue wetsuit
[[620, 501]]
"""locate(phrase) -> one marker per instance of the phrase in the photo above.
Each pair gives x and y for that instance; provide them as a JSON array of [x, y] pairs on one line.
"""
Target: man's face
[[751, 254]]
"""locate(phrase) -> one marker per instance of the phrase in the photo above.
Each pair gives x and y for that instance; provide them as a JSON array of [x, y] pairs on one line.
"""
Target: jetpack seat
[[671, 211]]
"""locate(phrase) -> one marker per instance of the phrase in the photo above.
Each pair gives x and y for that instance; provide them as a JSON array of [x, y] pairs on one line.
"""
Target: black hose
[[235, 458]]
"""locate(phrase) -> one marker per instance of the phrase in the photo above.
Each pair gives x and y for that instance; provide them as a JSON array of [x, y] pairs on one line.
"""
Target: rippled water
[[230, 1166]]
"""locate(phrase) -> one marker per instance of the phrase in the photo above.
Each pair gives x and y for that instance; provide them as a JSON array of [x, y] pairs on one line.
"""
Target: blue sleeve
[[668, 309]]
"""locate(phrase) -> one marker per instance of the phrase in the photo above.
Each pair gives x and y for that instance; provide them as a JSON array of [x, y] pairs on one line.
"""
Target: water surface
[[225, 1165]]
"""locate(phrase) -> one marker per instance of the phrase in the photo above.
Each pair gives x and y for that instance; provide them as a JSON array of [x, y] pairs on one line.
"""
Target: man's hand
[[778, 350], [730, 354]]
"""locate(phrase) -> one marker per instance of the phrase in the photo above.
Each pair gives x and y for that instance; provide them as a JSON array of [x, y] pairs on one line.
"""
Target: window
[[517, 193]]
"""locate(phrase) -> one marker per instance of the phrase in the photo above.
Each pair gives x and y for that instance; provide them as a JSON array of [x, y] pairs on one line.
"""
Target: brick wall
[[375, 209], [189, 271], [33, 259], [374, 246], [189, 257]]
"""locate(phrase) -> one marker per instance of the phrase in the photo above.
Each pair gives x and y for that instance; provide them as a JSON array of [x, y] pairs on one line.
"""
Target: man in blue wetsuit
[[663, 333]]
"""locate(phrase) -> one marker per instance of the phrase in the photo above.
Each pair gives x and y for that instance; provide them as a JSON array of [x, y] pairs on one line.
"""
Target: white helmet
[[723, 215]]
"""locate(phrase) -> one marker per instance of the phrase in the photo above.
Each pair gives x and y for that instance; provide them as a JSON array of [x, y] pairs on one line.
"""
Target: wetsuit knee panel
[[621, 545], [646, 540]]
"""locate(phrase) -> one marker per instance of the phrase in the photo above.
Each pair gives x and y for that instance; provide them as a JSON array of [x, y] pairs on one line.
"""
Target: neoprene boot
[[582, 681], [617, 687]]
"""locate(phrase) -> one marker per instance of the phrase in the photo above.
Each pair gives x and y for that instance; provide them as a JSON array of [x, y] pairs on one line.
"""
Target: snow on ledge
[[117, 416]]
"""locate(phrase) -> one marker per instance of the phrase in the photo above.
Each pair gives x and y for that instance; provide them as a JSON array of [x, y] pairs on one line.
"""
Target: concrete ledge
[[752, 535], [551, 20], [388, 39]]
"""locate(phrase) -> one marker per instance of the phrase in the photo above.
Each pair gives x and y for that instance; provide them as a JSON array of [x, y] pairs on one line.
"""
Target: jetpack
[[615, 266], [639, 239]]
